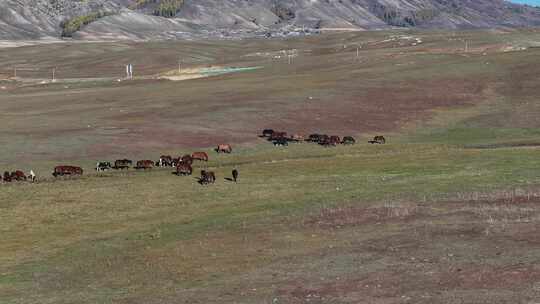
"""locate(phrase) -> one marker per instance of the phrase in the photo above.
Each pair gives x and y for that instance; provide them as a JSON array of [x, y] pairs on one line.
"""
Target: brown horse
[[122, 164], [379, 139], [200, 156], [224, 148], [335, 140], [297, 138], [67, 170], [348, 140], [7, 177], [183, 169], [267, 132], [18, 175], [186, 159], [277, 135], [207, 177], [144, 164], [235, 175]]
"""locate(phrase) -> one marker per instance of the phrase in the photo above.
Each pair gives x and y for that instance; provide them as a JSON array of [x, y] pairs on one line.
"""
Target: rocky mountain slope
[[158, 19]]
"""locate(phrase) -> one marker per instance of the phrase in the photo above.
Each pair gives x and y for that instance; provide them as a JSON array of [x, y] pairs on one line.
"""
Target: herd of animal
[[17, 176], [279, 138], [183, 164]]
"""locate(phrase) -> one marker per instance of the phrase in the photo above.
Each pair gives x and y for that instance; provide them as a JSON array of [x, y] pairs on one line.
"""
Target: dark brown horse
[[122, 164], [379, 139], [184, 169], [348, 140], [207, 177], [267, 132], [67, 170], [7, 177], [200, 156], [144, 164], [18, 175], [235, 175], [187, 159], [277, 135]]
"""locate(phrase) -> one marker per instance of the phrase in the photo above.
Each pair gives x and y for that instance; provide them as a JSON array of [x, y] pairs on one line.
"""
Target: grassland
[[446, 212]]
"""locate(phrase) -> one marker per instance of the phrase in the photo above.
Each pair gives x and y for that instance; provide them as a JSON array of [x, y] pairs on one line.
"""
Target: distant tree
[[69, 27]]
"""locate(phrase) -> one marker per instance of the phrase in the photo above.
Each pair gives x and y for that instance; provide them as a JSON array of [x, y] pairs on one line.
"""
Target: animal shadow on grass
[[229, 179]]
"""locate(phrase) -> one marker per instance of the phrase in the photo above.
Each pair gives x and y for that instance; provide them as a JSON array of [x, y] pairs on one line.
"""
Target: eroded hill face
[[154, 19]]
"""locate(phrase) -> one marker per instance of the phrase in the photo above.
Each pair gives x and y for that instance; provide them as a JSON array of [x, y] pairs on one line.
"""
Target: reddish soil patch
[[378, 109]]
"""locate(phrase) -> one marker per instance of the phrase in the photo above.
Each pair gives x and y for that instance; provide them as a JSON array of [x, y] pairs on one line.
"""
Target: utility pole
[[289, 57], [357, 52], [466, 46], [53, 74]]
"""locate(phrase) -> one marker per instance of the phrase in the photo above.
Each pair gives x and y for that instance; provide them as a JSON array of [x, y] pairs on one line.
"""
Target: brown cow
[[224, 148], [67, 170], [144, 164], [184, 169], [200, 156]]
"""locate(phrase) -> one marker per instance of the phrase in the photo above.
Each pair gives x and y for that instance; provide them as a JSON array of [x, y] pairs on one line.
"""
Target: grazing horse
[[224, 148], [165, 161], [18, 175], [296, 138], [281, 142], [313, 138], [235, 175], [186, 159], [207, 177], [200, 156], [7, 177], [267, 132], [277, 135], [348, 140], [103, 166], [144, 164], [67, 170], [379, 139], [122, 164], [184, 169], [335, 140]]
